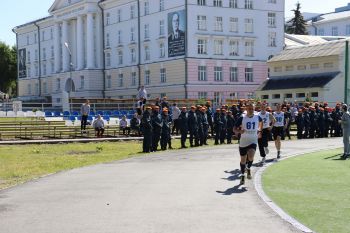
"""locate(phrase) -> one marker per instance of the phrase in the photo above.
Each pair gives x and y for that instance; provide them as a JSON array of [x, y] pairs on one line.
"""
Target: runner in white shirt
[[249, 126], [278, 128], [268, 120]]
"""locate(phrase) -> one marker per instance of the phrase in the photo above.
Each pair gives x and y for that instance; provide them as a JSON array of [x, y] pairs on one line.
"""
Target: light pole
[[70, 81]]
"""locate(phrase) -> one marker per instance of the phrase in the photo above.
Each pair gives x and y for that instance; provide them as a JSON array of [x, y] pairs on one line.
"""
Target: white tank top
[[266, 119], [250, 125], [279, 119]]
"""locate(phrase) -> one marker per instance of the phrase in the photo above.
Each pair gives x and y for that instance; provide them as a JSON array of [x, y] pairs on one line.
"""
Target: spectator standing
[[84, 112], [99, 126], [345, 124], [147, 129], [175, 116], [142, 95]]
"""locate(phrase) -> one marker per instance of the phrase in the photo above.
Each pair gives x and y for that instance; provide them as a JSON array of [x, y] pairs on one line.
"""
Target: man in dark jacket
[[313, 122], [230, 126], [300, 122], [306, 123], [223, 133], [157, 128], [328, 122], [166, 129], [217, 126], [205, 125], [146, 123], [200, 116], [183, 125], [193, 127], [209, 113]]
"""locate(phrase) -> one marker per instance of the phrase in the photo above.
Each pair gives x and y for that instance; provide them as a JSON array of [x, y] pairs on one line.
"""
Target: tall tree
[[297, 25], [8, 69]]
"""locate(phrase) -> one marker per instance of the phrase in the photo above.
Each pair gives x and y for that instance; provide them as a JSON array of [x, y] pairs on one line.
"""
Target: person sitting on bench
[[123, 124], [99, 126]]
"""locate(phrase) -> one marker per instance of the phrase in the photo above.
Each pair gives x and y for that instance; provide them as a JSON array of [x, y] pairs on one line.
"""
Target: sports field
[[314, 189], [19, 164]]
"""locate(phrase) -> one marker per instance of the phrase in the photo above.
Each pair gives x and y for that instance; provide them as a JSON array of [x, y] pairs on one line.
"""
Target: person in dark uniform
[[166, 130], [230, 125], [320, 123], [288, 115], [146, 123], [209, 113], [300, 122], [205, 125], [183, 125], [306, 123], [313, 122], [223, 133], [337, 117], [165, 103], [157, 128], [217, 126], [328, 122], [193, 127], [200, 125]]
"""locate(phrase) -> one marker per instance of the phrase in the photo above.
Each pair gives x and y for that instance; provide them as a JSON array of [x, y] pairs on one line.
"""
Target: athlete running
[[249, 126], [268, 120], [279, 127]]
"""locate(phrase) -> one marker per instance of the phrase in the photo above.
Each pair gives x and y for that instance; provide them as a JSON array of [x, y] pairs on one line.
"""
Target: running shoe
[[263, 160], [267, 151], [242, 180], [249, 174]]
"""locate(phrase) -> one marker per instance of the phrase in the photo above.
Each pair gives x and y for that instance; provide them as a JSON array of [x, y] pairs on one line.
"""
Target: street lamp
[[70, 81]]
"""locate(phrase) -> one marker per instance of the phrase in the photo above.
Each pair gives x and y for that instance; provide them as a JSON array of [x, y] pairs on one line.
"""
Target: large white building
[[212, 49], [336, 23]]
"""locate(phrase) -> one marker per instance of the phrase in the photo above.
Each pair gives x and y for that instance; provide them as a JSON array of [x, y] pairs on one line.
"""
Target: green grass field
[[314, 189], [19, 164]]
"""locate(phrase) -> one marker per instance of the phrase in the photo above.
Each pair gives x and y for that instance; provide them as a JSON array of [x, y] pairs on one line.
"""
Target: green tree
[[297, 25], [8, 69]]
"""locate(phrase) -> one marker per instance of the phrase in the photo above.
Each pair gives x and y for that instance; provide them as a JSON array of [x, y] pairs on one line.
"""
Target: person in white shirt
[[249, 126], [175, 117], [268, 121], [99, 126], [279, 127]]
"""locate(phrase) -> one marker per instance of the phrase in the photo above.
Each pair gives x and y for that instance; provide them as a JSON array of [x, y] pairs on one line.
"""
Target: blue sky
[[17, 12]]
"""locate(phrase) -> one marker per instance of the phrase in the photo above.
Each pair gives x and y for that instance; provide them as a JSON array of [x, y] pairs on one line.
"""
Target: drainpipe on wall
[[39, 53], [186, 65], [103, 50], [17, 86], [346, 71]]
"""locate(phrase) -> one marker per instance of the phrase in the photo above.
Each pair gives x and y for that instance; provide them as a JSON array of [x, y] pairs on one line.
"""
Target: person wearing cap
[[200, 125], [217, 125], [183, 126], [193, 127], [345, 124], [146, 124], [328, 121], [157, 128], [313, 122], [300, 122], [223, 133], [320, 123], [166, 128], [229, 127], [209, 113]]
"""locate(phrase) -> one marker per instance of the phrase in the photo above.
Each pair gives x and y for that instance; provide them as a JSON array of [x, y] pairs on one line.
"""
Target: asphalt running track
[[186, 191]]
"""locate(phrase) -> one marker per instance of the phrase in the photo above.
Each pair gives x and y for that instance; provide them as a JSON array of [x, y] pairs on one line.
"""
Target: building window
[[27, 39], [272, 1], [234, 48], [249, 48], [132, 11], [108, 59], [109, 81], [161, 28], [120, 38], [233, 74], [44, 69], [202, 73], [288, 95], [300, 95], [147, 77], [234, 24], [120, 80], [28, 56], [271, 19], [163, 75], [314, 94], [36, 55], [29, 89], [161, 5], [35, 38], [51, 33], [248, 25], [302, 67], [36, 70], [328, 65], [161, 50], [43, 36], [202, 22], [289, 68], [202, 95], [321, 32], [276, 96], [217, 3], [44, 53], [29, 72], [133, 79], [334, 31], [233, 4], [52, 67], [133, 55], [218, 24], [58, 84], [218, 74], [120, 57], [146, 5], [147, 53], [108, 44], [44, 87], [201, 2], [249, 75], [218, 47], [119, 15], [52, 52], [314, 66], [132, 34], [36, 89], [217, 98], [108, 18], [265, 97], [248, 4], [146, 31], [272, 39], [234, 95], [202, 46], [82, 82], [278, 69]]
